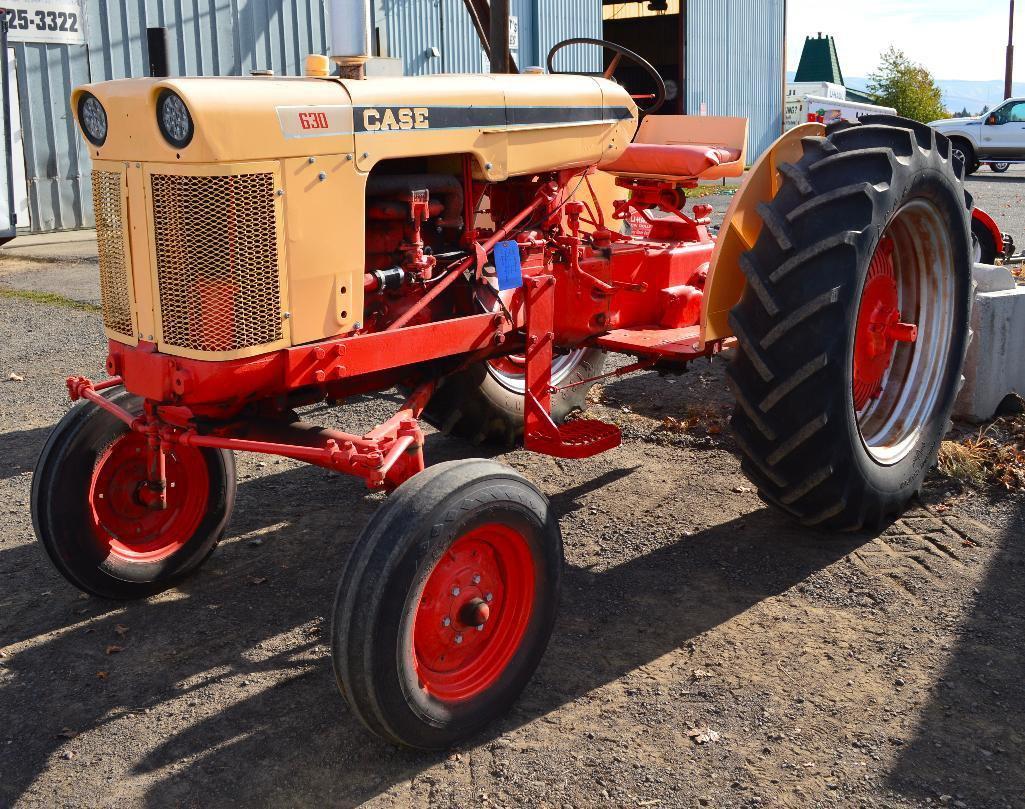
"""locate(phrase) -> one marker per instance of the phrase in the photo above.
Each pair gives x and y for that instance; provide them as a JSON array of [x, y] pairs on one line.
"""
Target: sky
[[953, 38]]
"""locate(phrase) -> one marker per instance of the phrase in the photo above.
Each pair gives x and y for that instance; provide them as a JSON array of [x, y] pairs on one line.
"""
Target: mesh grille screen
[[217, 261], [110, 243]]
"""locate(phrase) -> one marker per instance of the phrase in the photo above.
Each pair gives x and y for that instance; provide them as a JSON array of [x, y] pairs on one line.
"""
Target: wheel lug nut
[[455, 591], [459, 638], [446, 621]]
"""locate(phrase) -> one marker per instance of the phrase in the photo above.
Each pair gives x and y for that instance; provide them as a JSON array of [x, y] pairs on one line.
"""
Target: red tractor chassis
[[582, 285]]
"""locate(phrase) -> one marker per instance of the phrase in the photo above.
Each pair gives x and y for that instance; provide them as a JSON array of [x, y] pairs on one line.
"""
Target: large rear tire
[[484, 403], [87, 515], [841, 406], [446, 603]]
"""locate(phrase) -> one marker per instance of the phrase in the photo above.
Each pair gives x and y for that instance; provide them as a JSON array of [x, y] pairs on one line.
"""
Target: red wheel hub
[[473, 612], [879, 327], [122, 524], [511, 365]]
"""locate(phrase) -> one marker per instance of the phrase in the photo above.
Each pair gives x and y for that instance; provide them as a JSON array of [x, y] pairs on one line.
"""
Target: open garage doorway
[[654, 29]]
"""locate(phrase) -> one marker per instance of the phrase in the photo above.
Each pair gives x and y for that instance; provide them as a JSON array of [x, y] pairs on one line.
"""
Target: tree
[[907, 87]]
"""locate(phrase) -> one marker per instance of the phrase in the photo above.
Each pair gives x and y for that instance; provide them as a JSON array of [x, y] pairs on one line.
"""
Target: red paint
[[124, 524], [879, 328], [990, 224], [486, 575]]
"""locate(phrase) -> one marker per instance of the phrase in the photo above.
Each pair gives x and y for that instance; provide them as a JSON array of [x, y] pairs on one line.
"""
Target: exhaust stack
[[350, 36]]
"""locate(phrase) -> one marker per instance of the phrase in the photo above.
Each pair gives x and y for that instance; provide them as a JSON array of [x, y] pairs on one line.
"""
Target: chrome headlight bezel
[[92, 118], [174, 119]]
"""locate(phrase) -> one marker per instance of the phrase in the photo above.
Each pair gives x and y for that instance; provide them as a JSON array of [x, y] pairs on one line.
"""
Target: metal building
[[56, 45], [722, 57], [437, 36], [725, 58]]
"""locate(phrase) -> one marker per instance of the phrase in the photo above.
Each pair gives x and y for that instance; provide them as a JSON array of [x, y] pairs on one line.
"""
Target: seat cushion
[[674, 160]]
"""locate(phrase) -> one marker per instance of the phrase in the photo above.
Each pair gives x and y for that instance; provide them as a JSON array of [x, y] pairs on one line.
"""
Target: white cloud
[[954, 39]]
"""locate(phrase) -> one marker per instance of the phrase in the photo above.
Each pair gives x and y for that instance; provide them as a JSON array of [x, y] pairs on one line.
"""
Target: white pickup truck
[[996, 138]]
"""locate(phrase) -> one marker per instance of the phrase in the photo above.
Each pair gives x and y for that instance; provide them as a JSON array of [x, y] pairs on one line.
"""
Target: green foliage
[[909, 88]]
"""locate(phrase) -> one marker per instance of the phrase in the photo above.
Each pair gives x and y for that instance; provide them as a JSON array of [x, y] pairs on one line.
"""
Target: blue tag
[[507, 262]]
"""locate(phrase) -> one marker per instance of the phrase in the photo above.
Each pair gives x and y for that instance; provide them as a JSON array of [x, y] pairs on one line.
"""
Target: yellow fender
[[740, 230]]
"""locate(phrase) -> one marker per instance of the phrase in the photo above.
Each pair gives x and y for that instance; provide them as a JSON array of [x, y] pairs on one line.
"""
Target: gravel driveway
[[709, 653]]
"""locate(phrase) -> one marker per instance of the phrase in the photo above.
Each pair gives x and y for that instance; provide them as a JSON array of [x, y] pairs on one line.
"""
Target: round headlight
[[174, 119], [93, 118]]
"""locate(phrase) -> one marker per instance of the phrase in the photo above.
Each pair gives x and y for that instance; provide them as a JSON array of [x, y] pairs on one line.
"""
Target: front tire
[[447, 603], [999, 168], [841, 405], [87, 517]]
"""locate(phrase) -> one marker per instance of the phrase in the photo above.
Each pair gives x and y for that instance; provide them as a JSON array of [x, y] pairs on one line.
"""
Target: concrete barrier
[[995, 365]]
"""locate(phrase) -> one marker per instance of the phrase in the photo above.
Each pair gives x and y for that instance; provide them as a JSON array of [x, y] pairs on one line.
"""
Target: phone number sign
[[43, 21]]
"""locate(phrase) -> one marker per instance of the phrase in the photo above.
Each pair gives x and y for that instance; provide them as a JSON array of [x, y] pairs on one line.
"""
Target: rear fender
[[990, 224], [740, 230]]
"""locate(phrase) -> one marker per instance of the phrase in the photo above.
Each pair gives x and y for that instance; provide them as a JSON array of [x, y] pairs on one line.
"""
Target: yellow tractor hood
[[257, 118]]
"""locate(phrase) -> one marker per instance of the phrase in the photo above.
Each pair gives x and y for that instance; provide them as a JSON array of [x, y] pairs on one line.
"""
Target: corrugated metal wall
[[232, 37], [409, 28], [207, 37], [735, 63]]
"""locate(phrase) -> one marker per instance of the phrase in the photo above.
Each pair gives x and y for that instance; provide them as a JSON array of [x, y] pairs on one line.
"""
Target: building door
[[653, 29]]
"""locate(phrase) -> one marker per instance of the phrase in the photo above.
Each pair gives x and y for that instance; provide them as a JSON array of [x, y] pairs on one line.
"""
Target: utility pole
[[1009, 77]]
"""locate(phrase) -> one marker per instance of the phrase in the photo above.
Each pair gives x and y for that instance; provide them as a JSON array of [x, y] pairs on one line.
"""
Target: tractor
[[269, 243]]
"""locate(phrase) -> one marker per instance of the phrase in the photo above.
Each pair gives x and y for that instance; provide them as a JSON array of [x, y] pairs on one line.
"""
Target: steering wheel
[[620, 53]]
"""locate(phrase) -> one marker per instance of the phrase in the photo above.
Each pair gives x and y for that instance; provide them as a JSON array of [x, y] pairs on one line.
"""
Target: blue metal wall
[[735, 63], [207, 38], [409, 28]]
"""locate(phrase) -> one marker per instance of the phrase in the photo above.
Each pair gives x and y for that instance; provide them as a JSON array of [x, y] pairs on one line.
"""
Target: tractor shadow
[[990, 177], [969, 743], [227, 682], [19, 450]]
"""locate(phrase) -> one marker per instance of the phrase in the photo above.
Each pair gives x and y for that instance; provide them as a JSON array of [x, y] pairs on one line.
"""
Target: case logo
[[388, 119]]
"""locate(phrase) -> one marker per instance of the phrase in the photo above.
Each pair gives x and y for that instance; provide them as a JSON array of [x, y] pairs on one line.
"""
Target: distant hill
[[957, 94]]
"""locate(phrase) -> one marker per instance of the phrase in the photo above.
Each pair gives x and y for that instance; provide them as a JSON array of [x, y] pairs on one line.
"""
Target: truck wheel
[[484, 403], [89, 520], [853, 324], [446, 603], [964, 154], [984, 248]]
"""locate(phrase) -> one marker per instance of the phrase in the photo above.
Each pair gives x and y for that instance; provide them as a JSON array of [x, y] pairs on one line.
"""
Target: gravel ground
[[876, 671]]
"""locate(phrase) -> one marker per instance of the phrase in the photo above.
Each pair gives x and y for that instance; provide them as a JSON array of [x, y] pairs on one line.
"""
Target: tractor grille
[[110, 242], [217, 261]]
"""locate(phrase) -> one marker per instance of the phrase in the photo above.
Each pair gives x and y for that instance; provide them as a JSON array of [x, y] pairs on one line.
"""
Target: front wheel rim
[[473, 613], [126, 529], [904, 332]]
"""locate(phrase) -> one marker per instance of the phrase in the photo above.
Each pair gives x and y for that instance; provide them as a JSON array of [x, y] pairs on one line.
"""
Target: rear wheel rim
[[510, 371], [126, 529], [904, 332], [486, 576]]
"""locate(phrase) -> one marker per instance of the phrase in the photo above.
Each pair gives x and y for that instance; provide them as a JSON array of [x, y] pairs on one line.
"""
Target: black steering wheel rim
[[640, 61]]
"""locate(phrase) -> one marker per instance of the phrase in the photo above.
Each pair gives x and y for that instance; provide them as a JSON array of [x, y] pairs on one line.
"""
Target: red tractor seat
[[675, 160], [684, 147]]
